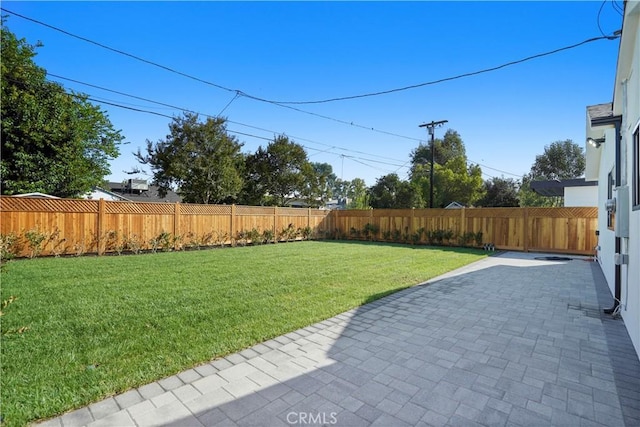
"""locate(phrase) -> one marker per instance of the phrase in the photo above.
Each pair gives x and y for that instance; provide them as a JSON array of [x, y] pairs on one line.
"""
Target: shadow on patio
[[510, 340]]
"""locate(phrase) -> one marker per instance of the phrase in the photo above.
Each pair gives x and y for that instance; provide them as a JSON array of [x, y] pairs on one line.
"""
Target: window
[[635, 187], [611, 216]]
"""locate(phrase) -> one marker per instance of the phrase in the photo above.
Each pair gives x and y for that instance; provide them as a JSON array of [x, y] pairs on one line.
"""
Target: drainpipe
[[618, 240]]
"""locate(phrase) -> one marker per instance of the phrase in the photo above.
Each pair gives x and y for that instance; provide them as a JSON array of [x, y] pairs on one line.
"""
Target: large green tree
[[454, 180], [198, 159], [560, 160], [500, 192], [52, 141], [276, 173], [319, 181], [390, 191]]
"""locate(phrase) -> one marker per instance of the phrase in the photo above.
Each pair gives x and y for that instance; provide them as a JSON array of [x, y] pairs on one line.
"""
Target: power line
[[236, 91], [211, 116], [331, 147], [459, 76]]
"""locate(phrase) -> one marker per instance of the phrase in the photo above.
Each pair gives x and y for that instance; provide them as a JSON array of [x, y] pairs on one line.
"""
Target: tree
[[390, 191], [358, 195], [52, 141], [200, 160], [276, 173], [319, 180], [457, 182], [453, 179], [445, 149], [500, 192], [560, 160]]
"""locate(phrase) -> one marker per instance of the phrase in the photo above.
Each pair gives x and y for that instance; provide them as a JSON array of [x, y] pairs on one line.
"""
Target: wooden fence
[[97, 226], [566, 230]]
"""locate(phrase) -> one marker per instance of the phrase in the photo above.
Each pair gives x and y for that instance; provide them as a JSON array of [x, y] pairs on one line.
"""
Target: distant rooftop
[[600, 111], [136, 194], [556, 188]]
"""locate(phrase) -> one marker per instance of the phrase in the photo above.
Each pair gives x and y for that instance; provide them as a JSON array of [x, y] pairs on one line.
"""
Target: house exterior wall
[[581, 196], [606, 239], [601, 163], [628, 94]]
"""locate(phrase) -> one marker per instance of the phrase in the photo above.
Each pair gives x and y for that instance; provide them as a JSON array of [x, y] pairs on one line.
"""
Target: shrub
[[35, 240], [306, 232], [370, 231], [268, 236], [10, 246], [133, 244]]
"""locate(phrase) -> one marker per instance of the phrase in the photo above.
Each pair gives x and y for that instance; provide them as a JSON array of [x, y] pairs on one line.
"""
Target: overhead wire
[[237, 91], [399, 166], [283, 104], [212, 116]]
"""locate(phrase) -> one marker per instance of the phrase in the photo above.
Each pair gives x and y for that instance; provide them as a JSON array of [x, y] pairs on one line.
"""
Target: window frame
[[635, 174], [611, 182]]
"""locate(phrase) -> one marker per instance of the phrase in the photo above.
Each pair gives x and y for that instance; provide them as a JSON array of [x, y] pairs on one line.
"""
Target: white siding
[[581, 196]]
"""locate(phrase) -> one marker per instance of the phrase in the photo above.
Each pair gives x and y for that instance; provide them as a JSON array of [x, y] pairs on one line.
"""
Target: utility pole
[[430, 127]]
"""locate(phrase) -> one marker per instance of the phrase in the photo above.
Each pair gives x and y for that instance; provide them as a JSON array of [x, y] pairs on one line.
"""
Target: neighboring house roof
[[556, 188], [600, 111], [454, 205], [98, 193], [150, 195], [36, 196]]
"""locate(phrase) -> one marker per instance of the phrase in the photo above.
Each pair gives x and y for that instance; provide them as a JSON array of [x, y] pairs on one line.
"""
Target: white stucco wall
[[627, 103], [581, 196], [606, 239], [631, 103]]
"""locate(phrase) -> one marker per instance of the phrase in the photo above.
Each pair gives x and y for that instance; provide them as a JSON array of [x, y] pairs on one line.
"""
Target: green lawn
[[82, 329]]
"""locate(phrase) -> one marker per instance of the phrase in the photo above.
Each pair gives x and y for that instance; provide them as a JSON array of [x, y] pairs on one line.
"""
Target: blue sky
[[301, 51]]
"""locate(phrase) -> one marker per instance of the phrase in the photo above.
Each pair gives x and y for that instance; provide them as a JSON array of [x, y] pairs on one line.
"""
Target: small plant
[[354, 233], [113, 243], [386, 235], [35, 240], [255, 236], [370, 231], [396, 235], [439, 236], [268, 236], [306, 232], [466, 238], [288, 233], [431, 237], [191, 240], [10, 246], [242, 237], [478, 238], [133, 244], [58, 246], [161, 241], [449, 235]]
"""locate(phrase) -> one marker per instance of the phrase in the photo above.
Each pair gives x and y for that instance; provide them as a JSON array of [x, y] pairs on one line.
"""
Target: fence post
[[232, 232], [275, 223], [308, 217], [463, 221], [176, 225], [525, 229], [101, 227]]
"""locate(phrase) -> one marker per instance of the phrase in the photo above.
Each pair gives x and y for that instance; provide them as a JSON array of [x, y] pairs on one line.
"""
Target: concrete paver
[[509, 340]]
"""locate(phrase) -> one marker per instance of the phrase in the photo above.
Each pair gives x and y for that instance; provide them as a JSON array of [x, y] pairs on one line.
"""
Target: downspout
[[618, 240]]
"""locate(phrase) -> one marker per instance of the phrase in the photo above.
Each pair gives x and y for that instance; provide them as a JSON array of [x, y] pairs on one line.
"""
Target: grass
[[82, 329]]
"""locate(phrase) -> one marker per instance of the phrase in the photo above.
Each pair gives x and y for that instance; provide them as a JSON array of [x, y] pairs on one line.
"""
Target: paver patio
[[509, 340]]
